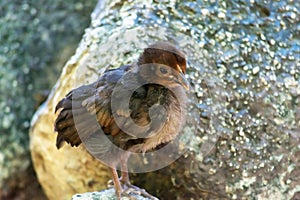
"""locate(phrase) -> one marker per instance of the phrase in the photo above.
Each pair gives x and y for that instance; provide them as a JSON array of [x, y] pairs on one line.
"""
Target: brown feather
[[87, 110]]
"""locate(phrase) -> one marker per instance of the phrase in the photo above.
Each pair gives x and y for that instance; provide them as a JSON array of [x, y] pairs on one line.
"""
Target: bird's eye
[[163, 70]]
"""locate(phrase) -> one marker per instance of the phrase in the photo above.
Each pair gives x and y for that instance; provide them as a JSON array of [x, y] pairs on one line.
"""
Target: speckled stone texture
[[108, 194], [244, 70], [36, 39]]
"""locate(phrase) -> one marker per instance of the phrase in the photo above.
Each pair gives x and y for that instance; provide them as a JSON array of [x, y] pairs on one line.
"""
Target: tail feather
[[64, 124], [74, 117]]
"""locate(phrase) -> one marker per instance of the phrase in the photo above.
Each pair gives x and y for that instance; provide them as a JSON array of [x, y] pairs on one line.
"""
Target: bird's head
[[164, 64]]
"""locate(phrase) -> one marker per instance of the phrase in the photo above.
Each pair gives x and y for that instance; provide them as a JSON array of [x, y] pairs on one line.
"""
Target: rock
[[244, 71], [34, 45], [105, 195]]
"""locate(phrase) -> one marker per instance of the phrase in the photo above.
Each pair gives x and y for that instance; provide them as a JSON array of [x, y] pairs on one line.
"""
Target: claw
[[129, 188]]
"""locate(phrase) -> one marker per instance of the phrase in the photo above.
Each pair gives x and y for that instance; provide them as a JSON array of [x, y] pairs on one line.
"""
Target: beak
[[182, 81]]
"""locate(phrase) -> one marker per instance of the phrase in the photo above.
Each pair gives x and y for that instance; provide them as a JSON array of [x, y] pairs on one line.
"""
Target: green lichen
[[244, 69], [36, 38]]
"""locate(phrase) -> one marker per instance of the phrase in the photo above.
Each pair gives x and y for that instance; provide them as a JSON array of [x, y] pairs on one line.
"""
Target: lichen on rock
[[36, 38], [108, 194], [244, 71]]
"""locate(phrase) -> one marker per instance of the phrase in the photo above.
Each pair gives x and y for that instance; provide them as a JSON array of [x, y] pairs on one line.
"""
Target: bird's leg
[[117, 183], [125, 181], [124, 169]]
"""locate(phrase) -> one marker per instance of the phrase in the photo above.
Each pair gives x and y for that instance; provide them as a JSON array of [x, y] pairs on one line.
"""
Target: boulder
[[105, 194], [34, 46], [244, 73]]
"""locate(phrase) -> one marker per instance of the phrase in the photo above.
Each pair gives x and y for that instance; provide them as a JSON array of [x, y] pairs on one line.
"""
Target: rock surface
[[34, 44], [244, 70], [105, 195]]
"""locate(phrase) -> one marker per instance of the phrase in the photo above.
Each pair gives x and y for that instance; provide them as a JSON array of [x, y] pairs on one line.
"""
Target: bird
[[151, 118]]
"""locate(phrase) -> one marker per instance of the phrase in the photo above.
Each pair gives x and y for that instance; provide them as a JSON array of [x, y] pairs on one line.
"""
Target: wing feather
[[86, 110]]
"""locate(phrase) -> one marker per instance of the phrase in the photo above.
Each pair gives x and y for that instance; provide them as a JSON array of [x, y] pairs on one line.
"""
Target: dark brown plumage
[[93, 110]]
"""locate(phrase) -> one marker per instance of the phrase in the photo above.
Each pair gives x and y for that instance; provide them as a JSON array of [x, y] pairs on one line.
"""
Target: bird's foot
[[128, 189]]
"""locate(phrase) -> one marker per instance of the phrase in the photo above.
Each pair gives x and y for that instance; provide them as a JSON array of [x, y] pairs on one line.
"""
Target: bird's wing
[[87, 109]]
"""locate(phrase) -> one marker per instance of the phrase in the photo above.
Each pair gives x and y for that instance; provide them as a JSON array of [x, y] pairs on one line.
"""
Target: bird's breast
[[160, 111]]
